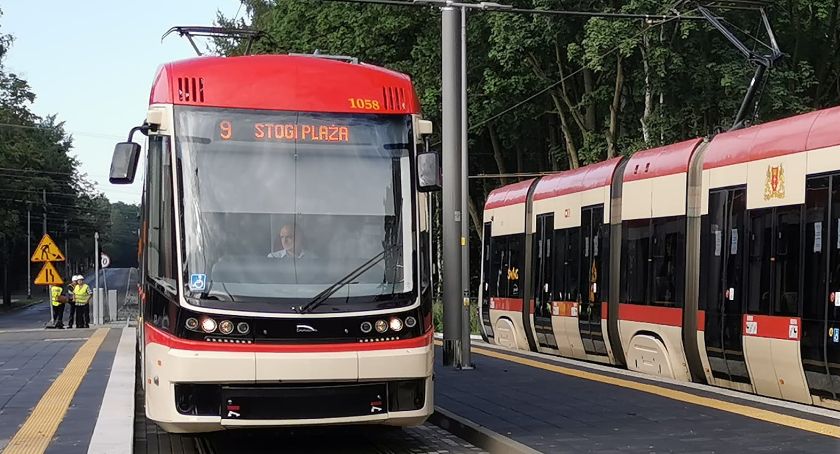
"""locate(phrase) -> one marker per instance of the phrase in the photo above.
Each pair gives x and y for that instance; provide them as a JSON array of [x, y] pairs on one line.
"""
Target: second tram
[[716, 261]]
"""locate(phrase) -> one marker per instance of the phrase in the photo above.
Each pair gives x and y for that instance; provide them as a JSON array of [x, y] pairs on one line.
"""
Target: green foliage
[[616, 86], [121, 246], [437, 317]]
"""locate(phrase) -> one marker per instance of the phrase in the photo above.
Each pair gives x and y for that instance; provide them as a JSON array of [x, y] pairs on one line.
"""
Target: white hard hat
[[77, 277]]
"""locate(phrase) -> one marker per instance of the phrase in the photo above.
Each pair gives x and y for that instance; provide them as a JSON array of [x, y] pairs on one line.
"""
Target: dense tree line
[[39, 175], [609, 87]]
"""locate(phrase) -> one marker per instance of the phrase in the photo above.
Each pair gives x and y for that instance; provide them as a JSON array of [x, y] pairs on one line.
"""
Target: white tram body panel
[[167, 367]]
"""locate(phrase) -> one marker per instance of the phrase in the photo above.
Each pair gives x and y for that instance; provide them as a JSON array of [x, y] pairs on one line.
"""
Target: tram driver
[[291, 242]]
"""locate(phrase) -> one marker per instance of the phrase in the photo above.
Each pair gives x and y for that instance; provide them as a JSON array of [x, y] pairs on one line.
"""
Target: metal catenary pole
[[451, 153], [465, 362]]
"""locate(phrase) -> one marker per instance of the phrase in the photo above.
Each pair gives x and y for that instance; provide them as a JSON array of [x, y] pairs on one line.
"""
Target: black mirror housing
[[428, 172], [124, 163]]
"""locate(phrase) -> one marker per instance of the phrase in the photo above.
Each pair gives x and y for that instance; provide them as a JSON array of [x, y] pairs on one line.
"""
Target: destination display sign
[[282, 132]]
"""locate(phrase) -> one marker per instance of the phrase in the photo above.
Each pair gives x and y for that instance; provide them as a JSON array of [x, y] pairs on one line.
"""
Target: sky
[[92, 63]]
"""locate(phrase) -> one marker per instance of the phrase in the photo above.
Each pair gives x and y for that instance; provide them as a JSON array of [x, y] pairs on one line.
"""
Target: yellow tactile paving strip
[[743, 410], [37, 432]]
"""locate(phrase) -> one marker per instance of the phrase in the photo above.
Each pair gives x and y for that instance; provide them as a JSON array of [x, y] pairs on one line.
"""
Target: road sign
[[47, 251], [48, 276], [105, 260]]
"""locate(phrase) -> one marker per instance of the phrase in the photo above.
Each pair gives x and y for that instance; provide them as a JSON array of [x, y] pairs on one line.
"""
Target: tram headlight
[[381, 326], [242, 328], [226, 327], [366, 327], [208, 325], [396, 324], [191, 324], [410, 321]]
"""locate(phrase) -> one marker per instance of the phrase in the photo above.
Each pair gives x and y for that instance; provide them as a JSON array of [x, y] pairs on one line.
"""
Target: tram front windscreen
[[280, 209]]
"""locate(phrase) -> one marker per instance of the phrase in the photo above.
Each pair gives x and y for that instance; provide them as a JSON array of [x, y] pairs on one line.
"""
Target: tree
[[608, 87]]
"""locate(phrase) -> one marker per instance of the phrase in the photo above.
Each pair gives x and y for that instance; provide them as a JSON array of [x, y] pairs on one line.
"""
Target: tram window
[[788, 220], [498, 267], [515, 268], [761, 235], [711, 251], [161, 262], [587, 237], [559, 246], [668, 249], [635, 245], [572, 264], [603, 257], [774, 270], [168, 263], [815, 248], [152, 207], [832, 243]]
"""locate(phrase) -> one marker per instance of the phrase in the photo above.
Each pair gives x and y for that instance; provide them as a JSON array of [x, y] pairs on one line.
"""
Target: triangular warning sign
[[48, 276], [47, 251]]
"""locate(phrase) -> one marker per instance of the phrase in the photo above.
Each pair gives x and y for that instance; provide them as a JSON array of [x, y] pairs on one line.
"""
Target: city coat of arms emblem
[[774, 186]]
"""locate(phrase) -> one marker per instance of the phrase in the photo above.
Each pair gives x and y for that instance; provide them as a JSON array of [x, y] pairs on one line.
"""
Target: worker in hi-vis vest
[[81, 297], [57, 302]]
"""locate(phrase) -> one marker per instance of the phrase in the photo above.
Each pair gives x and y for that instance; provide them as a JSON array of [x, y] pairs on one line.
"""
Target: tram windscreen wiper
[[319, 299]]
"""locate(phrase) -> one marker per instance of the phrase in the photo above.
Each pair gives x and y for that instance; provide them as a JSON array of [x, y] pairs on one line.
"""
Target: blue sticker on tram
[[836, 335], [198, 282]]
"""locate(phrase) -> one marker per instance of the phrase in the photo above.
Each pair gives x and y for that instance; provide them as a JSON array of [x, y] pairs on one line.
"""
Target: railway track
[[150, 439]]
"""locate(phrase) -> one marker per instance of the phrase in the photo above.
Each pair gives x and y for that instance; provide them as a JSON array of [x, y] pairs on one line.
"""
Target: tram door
[[542, 271], [821, 299], [486, 258], [592, 265], [725, 251]]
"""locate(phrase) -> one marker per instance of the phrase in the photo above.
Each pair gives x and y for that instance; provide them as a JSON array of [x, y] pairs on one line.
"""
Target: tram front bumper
[[185, 388]]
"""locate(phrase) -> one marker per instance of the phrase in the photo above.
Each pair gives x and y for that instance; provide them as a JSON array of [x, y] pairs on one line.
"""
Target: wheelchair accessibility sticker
[[198, 282]]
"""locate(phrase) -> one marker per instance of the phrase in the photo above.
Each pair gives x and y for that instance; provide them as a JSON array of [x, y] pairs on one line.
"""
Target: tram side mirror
[[428, 172], [124, 163]]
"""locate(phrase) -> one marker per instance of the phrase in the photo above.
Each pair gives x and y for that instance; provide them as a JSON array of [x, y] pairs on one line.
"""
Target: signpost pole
[[97, 300], [28, 245]]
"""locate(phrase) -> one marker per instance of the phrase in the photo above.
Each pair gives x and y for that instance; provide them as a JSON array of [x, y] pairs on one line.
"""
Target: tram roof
[[804, 132], [661, 161], [510, 194], [576, 180], [284, 82]]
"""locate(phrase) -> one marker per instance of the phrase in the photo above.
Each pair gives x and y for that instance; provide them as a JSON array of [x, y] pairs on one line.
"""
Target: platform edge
[[477, 434], [114, 430]]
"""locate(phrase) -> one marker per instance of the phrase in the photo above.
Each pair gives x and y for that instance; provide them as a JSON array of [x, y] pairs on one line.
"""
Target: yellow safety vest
[[55, 292], [80, 294]]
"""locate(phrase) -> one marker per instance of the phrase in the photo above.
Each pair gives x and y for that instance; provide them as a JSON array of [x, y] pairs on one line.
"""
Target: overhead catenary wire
[[495, 7], [71, 132], [39, 204], [498, 8]]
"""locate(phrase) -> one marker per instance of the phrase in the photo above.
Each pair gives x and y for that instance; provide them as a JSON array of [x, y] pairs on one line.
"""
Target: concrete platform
[[76, 391], [550, 404]]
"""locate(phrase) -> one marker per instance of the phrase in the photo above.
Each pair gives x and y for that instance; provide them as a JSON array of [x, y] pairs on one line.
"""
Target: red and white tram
[[284, 244], [716, 261]]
